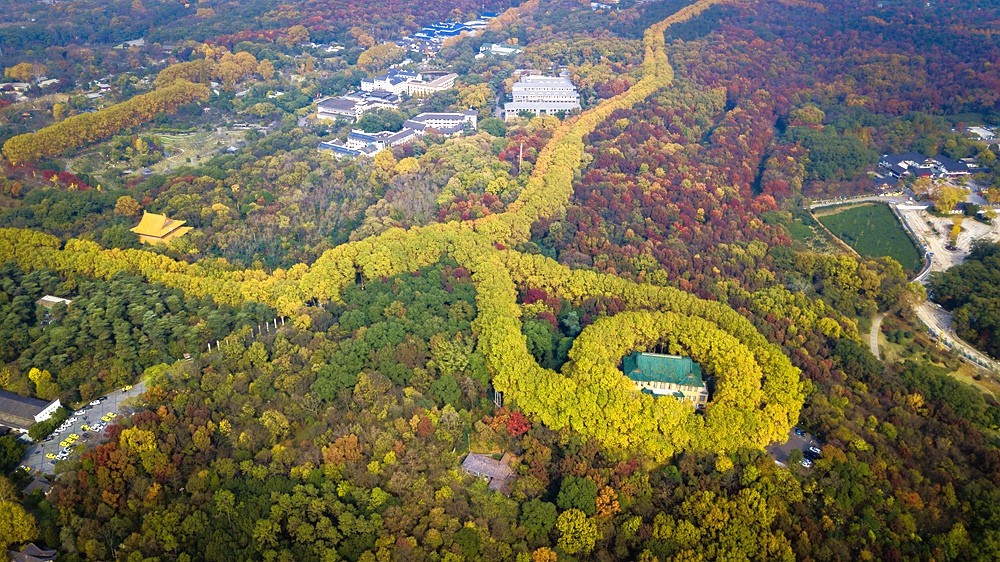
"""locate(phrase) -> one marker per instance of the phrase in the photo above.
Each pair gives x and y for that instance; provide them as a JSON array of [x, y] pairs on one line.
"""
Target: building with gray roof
[[20, 412]]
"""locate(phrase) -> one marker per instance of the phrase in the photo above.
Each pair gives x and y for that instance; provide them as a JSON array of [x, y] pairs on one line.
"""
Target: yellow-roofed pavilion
[[158, 229]]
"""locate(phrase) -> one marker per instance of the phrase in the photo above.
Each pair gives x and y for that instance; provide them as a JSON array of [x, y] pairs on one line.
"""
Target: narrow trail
[[873, 336]]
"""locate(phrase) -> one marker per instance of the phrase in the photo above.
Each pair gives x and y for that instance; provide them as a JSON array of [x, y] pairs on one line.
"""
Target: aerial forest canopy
[[338, 349], [739, 418]]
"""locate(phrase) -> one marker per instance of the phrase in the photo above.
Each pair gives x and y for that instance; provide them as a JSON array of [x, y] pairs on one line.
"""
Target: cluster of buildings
[[542, 95], [436, 32], [352, 106], [897, 166], [429, 39], [19, 90], [383, 92], [360, 143], [413, 84]]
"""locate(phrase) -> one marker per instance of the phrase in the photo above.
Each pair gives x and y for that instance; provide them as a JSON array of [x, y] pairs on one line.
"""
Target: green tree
[[16, 525], [11, 452], [537, 518], [577, 533], [577, 493]]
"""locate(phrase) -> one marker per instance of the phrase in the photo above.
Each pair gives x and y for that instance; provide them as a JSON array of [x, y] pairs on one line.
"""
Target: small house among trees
[[662, 375], [158, 229], [497, 472], [49, 301]]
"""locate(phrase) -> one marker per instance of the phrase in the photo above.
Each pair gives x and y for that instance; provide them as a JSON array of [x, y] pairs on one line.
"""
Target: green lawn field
[[873, 231]]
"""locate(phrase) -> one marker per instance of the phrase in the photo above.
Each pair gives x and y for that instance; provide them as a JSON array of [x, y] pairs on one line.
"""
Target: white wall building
[[401, 82], [360, 143], [542, 95], [354, 105]]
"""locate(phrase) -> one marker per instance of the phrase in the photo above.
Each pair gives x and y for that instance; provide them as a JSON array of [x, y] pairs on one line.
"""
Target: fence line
[[266, 327]]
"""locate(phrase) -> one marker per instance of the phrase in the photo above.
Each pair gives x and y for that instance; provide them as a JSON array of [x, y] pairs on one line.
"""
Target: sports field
[[873, 231]]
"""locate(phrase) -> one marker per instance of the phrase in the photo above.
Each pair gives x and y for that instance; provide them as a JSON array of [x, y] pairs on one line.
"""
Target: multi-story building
[[401, 82], [352, 106], [159, 229], [360, 143], [542, 95]]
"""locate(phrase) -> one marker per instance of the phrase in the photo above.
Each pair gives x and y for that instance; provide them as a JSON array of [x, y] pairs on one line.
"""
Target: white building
[[401, 82], [354, 105], [542, 95], [360, 143], [20, 412], [499, 49]]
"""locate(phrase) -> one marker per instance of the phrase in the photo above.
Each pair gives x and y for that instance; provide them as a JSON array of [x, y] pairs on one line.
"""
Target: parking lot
[[781, 451], [36, 457]]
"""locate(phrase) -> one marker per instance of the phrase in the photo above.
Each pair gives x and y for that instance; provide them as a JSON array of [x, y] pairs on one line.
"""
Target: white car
[[95, 402]]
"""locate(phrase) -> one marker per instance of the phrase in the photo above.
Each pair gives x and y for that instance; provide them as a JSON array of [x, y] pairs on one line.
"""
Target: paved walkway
[[873, 336], [88, 415]]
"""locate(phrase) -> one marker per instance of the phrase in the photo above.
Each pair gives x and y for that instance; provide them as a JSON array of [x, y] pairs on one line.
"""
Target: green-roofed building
[[663, 375]]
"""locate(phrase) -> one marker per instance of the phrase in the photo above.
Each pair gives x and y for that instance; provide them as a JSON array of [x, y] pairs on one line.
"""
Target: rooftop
[[498, 471], [17, 406], [48, 301], [159, 226], [40, 484], [32, 553], [655, 367]]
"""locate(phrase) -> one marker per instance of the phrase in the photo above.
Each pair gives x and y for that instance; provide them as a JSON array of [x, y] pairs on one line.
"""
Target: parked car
[[815, 450], [807, 463]]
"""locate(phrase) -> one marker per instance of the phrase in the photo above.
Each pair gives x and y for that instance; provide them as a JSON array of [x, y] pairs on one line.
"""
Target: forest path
[[873, 335]]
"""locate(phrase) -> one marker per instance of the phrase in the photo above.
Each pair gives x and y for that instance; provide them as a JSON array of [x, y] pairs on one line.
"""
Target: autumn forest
[[328, 343]]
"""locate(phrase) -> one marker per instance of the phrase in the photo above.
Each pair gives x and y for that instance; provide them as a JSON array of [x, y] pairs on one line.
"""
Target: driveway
[[88, 415]]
